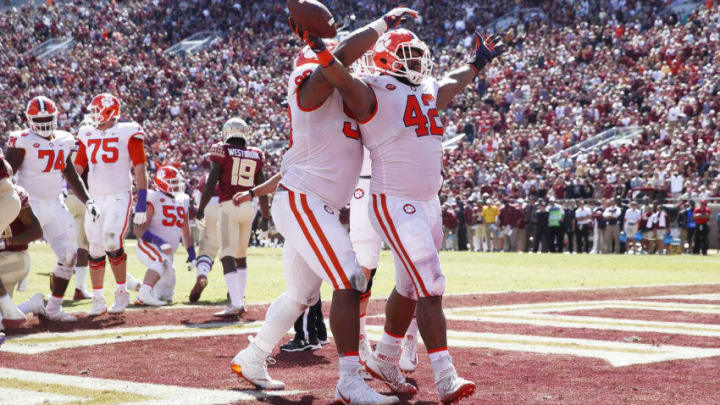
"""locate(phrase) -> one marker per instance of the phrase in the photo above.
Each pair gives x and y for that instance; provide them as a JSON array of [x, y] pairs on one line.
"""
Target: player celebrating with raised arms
[[167, 222], [319, 173], [109, 149], [41, 157], [397, 109]]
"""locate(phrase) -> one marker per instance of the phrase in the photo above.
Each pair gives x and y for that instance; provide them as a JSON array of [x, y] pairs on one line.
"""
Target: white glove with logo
[[92, 210]]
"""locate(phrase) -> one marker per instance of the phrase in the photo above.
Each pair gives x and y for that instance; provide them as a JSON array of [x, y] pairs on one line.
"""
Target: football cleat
[[352, 389], [408, 357], [230, 311], [198, 288], [98, 306], [294, 346], [251, 365], [132, 283], [364, 349], [122, 300], [452, 388], [148, 299], [59, 316], [81, 295], [388, 373], [36, 306]]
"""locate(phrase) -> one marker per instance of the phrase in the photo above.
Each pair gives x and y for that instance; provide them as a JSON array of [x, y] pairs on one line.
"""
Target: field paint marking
[[168, 394], [706, 297], [28, 397], [49, 341], [618, 354], [538, 315]]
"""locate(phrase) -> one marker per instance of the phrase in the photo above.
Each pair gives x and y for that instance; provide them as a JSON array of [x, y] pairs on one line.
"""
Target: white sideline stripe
[[169, 394], [707, 297], [28, 397], [377, 297], [618, 354]]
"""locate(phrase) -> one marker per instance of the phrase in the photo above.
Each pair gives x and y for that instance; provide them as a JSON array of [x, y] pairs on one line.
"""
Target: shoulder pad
[[217, 150]]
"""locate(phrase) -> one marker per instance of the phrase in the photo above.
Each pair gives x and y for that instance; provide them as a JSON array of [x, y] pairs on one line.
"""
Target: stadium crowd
[[585, 67]]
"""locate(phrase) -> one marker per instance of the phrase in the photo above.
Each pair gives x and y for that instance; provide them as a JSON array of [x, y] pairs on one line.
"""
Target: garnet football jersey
[[16, 227], [107, 156], [325, 152], [41, 172], [169, 216], [238, 168], [404, 138]]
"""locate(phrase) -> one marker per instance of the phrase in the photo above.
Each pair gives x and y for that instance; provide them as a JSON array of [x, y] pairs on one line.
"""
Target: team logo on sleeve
[[329, 210], [409, 209], [390, 87], [37, 145], [359, 193]]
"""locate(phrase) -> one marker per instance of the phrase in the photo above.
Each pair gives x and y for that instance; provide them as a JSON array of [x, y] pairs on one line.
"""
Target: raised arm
[[316, 89], [486, 49]]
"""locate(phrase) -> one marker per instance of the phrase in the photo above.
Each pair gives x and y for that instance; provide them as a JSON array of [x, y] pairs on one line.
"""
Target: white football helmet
[[235, 128]]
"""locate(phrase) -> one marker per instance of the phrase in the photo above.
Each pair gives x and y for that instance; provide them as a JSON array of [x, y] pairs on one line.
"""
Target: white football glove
[[92, 209], [140, 218]]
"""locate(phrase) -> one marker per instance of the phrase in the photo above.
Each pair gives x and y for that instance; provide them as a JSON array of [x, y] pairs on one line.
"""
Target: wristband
[[150, 237], [379, 25], [191, 253], [252, 193], [325, 58], [142, 200]]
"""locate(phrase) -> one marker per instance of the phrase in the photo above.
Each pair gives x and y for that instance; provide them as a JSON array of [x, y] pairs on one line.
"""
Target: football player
[[208, 243], [367, 245], [167, 222], [41, 157], [109, 149], [235, 167], [397, 109], [77, 209], [15, 262], [319, 172]]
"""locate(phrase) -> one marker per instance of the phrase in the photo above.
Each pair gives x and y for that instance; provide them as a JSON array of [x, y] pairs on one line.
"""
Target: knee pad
[[117, 257], [63, 272], [96, 263]]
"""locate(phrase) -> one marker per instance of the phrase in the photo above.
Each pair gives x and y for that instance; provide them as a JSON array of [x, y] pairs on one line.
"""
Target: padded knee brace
[[63, 272], [117, 257], [96, 263]]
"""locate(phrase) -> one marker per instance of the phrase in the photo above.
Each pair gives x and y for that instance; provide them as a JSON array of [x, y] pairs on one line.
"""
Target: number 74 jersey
[[238, 167], [109, 155]]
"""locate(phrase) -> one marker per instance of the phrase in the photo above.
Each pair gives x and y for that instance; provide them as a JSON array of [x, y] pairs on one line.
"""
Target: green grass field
[[466, 272]]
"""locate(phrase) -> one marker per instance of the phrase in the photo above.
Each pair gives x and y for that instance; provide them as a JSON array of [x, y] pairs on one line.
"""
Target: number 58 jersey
[[238, 168], [109, 155]]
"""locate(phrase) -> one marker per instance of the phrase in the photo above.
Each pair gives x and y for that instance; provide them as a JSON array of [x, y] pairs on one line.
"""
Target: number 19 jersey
[[109, 155], [238, 168], [404, 138]]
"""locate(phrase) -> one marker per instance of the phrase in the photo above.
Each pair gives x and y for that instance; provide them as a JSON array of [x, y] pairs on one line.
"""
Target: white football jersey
[[108, 156], [325, 152], [367, 163], [169, 216], [404, 138], [41, 172]]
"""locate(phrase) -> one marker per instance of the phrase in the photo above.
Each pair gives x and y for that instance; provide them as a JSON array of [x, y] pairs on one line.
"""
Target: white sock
[[54, 303], [362, 325], [412, 329], [391, 340], [441, 363], [121, 287], [279, 318], [242, 282], [80, 272], [388, 352], [348, 364], [145, 289], [98, 292], [233, 284]]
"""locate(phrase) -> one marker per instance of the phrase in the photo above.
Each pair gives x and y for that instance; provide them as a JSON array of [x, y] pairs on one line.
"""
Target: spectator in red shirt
[[702, 219]]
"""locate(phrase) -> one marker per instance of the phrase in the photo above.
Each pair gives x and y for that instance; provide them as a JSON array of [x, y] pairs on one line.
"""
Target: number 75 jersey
[[109, 155], [238, 168]]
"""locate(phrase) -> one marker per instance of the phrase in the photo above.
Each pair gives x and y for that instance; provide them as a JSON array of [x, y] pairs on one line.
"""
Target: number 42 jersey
[[109, 155], [238, 168]]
